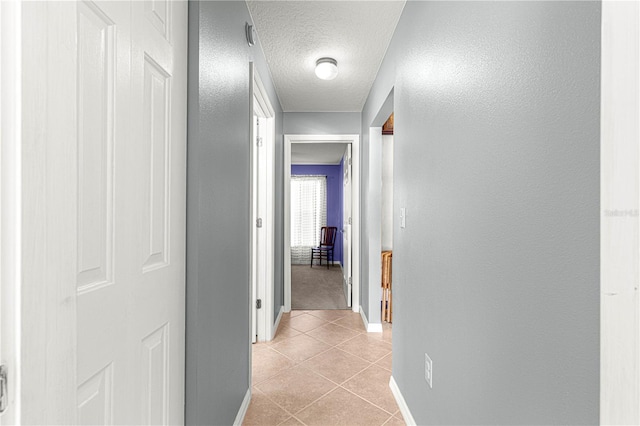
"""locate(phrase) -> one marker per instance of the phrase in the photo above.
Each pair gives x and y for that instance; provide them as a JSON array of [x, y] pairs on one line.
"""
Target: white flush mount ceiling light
[[326, 68]]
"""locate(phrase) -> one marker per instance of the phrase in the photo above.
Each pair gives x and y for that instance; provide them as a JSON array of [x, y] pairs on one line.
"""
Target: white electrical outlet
[[428, 370]]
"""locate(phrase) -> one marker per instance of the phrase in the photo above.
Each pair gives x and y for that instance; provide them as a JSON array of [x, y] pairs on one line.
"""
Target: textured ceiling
[[317, 153], [294, 34]]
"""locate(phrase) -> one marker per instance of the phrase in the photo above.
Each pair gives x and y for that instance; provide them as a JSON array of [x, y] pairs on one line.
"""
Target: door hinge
[[349, 161], [4, 385], [259, 222], [259, 141], [349, 221], [258, 303], [349, 280]]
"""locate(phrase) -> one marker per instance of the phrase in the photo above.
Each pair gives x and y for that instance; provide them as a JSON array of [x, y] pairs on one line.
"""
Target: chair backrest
[[328, 235]]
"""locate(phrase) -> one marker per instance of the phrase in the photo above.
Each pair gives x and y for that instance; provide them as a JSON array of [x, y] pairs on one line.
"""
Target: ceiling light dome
[[326, 68]]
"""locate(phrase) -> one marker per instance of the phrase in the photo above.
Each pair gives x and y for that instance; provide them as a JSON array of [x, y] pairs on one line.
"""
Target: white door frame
[[261, 106], [347, 204], [354, 140], [37, 69], [620, 202], [10, 202], [374, 212]]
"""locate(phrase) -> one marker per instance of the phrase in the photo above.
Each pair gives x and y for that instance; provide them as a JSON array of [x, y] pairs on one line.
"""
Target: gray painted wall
[[321, 123], [496, 158], [387, 212], [218, 263]]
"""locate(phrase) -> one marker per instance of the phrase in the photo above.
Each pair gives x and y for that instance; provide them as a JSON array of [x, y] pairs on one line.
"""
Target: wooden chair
[[325, 249], [387, 307]]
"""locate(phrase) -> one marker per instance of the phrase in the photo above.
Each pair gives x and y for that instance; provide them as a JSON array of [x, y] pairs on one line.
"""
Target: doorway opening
[[380, 216], [344, 264], [318, 207], [262, 136], [386, 220]]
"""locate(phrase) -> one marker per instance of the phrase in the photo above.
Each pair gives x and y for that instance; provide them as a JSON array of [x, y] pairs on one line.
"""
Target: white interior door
[[96, 138], [254, 232], [261, 226], [130, 211], [257, 215], [346, 226]]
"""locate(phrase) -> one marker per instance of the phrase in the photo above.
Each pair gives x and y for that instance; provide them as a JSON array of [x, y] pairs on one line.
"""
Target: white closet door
[[104, 168]]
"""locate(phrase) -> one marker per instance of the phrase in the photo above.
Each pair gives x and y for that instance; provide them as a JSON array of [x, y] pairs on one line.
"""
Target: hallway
[[323, 368], [131, 212]]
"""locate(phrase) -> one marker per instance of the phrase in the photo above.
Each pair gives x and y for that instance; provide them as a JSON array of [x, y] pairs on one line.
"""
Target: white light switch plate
[[403, 217]]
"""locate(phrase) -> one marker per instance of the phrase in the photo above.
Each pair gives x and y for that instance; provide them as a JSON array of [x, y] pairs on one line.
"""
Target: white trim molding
[[11, 203], [276, 324], [620, 202], [243, 408], [371, 328], [262, 288], [402, 404]]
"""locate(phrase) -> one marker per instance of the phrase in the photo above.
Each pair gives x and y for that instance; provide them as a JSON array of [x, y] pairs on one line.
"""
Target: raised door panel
[[95, 398], [155, 379], [159, 163], [95, 104], [102, 110], [158, 12], [156, 113]]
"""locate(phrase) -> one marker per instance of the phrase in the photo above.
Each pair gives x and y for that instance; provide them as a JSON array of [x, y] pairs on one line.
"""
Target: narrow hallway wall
[[321, 123], [386, 192], [218, 262], [496, 159]]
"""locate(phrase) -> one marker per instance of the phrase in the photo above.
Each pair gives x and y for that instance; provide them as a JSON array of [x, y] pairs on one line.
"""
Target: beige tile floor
[[323, 368]]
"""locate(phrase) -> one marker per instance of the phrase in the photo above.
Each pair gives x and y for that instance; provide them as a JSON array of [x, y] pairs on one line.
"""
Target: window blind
[[308, 215]]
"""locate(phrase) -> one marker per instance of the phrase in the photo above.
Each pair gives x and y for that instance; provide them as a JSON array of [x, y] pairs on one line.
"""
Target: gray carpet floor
[[317, 287]]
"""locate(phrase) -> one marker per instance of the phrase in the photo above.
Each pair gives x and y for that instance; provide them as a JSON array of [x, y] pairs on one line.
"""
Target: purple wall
[[334, 196]]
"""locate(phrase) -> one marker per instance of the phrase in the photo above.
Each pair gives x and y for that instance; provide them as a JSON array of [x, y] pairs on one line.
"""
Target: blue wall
[[334, 196]]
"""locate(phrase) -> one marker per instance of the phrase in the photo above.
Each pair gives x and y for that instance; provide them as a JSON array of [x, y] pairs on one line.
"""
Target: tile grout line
[[336, 385], [358, 356], [366, 400], [296, 363], [331, 346], [371, 364], [293, 414]]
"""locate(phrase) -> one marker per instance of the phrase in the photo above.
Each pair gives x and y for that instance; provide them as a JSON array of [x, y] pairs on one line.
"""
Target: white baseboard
[[374, 328], [243, 408], [402, 404], [274, 328], [371, 328], [364, 319]]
